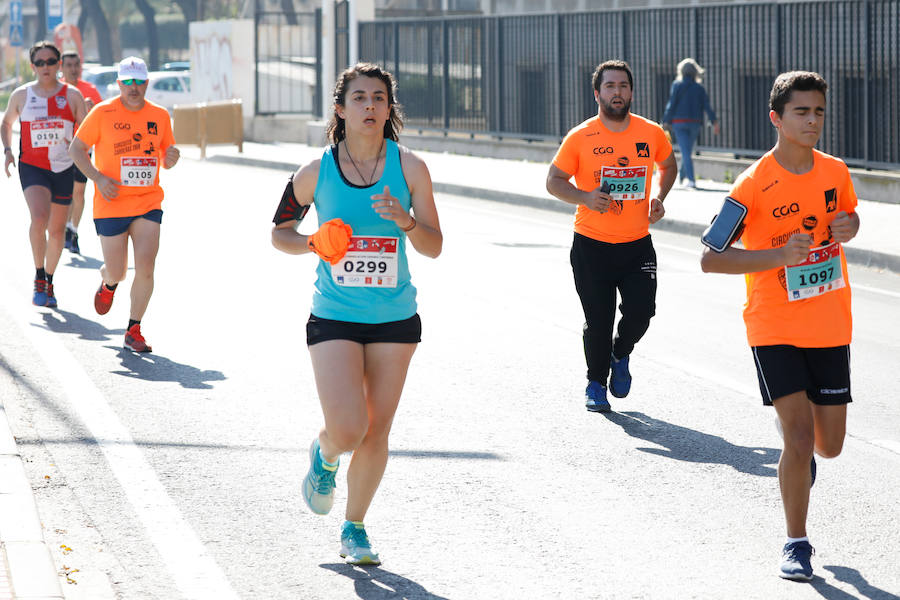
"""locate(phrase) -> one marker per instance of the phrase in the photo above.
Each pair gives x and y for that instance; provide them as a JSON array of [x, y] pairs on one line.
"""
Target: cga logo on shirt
[[830, 200], [121, 125], [785, 210], [603, 150], [643, 149]]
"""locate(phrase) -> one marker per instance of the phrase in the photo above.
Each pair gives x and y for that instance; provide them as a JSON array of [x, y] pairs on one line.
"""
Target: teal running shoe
[[318, 485], [355, 546]]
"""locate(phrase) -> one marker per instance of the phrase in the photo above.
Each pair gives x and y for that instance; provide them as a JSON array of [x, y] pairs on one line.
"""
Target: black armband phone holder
[[289, 209]]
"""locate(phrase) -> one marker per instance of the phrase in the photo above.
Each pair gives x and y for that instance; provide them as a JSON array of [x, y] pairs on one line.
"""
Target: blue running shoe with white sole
[[619, 377], [355, 546], [595, 397], [318, 485], [795, 561]]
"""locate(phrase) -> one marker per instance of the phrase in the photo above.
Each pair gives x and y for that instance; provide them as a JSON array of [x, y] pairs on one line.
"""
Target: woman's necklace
[[371, 178]]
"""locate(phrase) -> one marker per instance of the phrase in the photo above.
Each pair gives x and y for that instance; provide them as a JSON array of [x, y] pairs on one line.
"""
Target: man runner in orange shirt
[[71, 70], [800, 207], [133, 139], [611, 157]]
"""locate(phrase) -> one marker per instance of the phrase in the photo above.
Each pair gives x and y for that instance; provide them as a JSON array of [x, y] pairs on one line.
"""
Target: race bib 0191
[[47, 133], [138, 171], [370, 262], [626, 183], [819, 274]]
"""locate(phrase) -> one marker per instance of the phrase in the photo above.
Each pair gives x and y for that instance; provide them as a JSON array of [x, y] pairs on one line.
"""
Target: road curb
[[856, 256], [24, 554]]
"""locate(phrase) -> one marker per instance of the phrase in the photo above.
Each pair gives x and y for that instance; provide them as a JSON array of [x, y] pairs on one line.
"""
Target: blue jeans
[[686, 135]]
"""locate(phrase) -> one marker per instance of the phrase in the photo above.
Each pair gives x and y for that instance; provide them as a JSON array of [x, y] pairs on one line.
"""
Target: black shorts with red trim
[[823, 373]]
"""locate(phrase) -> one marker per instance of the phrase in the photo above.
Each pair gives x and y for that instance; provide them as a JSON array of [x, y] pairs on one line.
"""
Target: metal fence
[[288, 56], [529, 76]]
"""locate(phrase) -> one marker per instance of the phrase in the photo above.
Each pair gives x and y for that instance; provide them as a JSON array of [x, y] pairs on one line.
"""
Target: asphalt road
[[175, 474]]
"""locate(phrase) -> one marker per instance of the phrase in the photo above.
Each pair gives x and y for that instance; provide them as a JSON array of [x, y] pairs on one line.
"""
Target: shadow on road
[[79, 261], [854, 578], [681, 443], [374, 583], [72, 323], [154, 367]]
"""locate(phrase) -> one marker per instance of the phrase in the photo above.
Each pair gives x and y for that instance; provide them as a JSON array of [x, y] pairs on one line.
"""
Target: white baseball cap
[[132, 67]]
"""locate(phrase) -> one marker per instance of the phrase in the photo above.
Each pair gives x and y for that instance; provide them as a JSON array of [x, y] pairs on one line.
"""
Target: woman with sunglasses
[[49, 111], [132, 140], [371, 196]]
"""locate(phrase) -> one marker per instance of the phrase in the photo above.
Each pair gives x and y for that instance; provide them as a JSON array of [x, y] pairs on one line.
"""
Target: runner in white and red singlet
[[48, 111]]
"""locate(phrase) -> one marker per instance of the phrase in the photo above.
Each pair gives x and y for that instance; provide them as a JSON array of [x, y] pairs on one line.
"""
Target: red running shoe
[[103, 299], [134, 341]]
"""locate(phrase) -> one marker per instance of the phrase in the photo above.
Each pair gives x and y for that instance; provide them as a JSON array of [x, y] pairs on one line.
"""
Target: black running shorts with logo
[[407, 331], [823, 373], [59, 184]]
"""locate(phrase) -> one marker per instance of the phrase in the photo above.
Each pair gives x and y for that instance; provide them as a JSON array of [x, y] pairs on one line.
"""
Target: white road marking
[[195, 573]]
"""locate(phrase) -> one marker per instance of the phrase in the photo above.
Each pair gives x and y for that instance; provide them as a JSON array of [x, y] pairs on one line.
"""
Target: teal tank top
[[372, 283]]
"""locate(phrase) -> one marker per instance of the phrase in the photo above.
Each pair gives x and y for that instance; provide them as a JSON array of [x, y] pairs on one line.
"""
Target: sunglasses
[[49, 62], [132, 81]]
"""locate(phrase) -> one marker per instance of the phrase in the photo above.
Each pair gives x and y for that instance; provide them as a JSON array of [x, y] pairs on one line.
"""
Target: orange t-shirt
[[780, 204], [593, 153], [130, 147], [89, 91]]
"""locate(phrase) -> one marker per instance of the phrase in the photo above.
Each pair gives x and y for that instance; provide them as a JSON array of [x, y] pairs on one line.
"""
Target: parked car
[[104, 78], [178, 65], [166, 88]]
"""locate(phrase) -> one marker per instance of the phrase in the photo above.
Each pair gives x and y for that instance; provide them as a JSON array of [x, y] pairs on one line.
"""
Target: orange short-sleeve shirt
[[780, 204], [592, 153], [129, 146]]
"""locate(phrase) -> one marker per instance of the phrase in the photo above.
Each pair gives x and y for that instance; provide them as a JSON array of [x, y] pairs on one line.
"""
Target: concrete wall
[[222, 62]]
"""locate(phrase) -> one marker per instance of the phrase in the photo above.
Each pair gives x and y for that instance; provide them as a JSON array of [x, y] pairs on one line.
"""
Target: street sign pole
[[15, 31]]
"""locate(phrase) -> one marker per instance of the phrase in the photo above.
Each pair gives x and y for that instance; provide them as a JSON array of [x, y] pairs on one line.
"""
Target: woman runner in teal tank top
[[371, 197]]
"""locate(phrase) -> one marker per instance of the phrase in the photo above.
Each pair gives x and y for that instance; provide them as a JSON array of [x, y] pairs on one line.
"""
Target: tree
[[152, 32], [101, 29]]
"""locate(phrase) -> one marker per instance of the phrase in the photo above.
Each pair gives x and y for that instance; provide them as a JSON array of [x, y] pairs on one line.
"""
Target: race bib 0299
[[370, 262]]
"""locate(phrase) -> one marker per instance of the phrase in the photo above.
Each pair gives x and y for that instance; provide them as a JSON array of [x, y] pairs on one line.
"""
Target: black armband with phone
[[726, 227], [289, 209]]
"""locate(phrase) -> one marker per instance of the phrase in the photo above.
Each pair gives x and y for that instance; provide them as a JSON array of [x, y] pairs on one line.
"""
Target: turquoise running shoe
[[318, 485], [355, 546]]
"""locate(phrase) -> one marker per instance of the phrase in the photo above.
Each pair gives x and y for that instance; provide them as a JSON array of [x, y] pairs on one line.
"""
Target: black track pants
[[600, 269]]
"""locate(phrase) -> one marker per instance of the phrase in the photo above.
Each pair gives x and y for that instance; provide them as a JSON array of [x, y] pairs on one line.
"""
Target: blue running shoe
[[40, 293], [795, 564], [318, 485], [355, 546], [595, 397], [619, 377]]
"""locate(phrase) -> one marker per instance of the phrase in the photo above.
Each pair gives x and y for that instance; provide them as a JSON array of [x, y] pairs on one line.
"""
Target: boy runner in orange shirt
[[800, 209], [133, 139], [611, 157]]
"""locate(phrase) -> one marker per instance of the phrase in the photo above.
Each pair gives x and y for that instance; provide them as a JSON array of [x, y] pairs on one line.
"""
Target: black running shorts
[[59, 184], [824, 373], [407, 331]]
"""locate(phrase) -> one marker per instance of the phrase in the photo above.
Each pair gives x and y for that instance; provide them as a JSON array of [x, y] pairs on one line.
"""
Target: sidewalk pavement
[[26, 565], [520, 182]]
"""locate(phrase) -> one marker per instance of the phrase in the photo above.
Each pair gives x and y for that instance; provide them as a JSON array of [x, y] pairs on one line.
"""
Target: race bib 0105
[[626, 183], [138, 171], [47, 133], [819, 274], [370, 262]]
